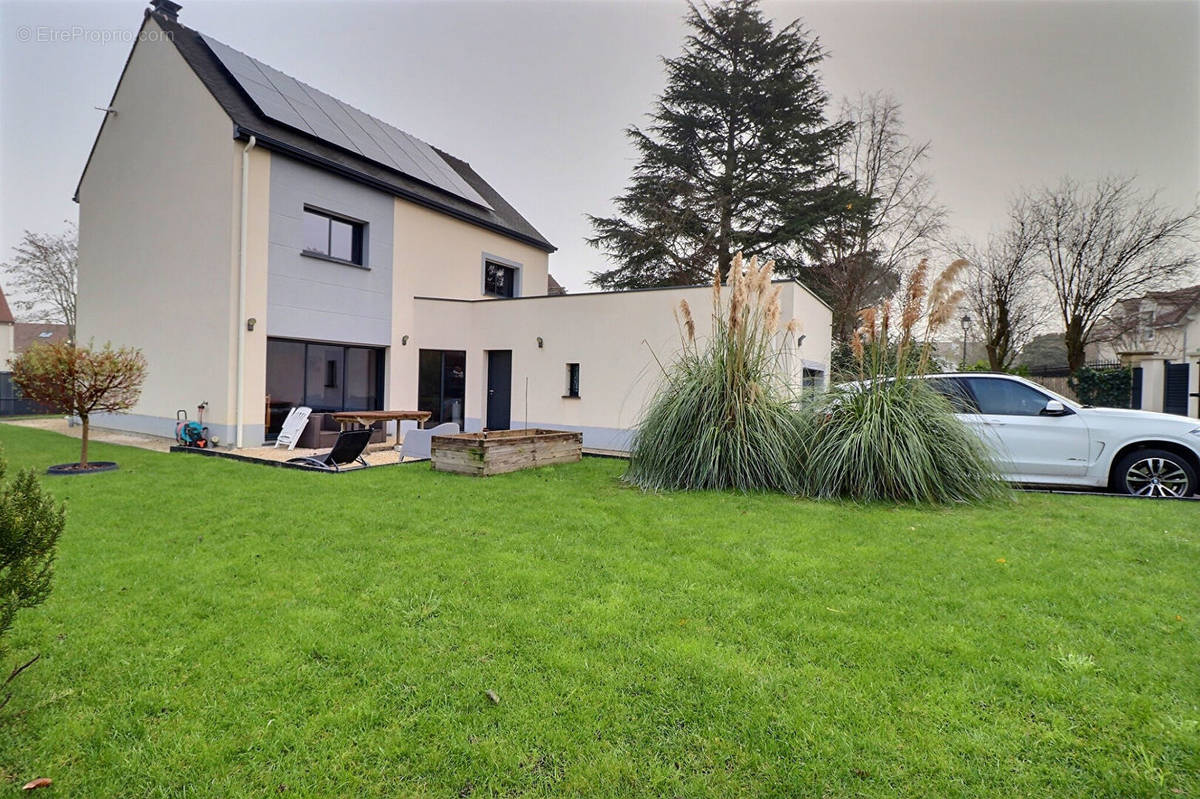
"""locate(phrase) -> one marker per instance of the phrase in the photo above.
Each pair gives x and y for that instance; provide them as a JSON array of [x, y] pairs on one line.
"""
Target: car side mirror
[[1054, 408]]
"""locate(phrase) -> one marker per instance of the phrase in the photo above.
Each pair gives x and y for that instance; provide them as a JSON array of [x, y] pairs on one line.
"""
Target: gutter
[[239, 400]]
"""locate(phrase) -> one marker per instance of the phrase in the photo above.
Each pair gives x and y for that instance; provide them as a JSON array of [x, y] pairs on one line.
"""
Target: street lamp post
[[966, 325]]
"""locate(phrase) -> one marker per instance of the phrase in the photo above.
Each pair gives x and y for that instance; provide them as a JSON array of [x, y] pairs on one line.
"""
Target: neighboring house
[[1159, 335], [7, 325], [267, 245], [15, 338]]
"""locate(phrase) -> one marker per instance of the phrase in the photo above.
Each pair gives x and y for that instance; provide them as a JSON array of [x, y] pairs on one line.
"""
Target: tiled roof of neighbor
[[553, 287], [26, 333], [1170, 307], [249, 120], [6, 316]]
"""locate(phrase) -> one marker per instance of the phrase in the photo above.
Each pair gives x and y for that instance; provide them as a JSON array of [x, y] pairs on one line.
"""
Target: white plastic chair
[[406, 427], [293, 426], [416, 442]]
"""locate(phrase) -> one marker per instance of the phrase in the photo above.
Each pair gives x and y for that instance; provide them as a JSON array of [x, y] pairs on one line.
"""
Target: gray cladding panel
[[300, 106], [320, 300]]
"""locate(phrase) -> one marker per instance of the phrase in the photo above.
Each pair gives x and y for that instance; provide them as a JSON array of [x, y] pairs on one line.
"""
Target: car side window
[[1006, 397], [952, 389]]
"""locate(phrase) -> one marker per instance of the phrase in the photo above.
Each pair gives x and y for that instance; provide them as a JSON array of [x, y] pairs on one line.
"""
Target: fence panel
[[11, 401], [1057, 384]]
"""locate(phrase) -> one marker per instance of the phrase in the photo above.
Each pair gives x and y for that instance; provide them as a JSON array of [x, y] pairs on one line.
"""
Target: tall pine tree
[[739, 156]]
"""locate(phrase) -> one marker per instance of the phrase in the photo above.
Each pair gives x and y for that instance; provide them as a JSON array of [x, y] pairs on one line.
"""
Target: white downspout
[[241, 317]]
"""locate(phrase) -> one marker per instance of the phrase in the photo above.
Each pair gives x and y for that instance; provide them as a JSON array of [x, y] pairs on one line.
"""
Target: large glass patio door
[[325, 377]]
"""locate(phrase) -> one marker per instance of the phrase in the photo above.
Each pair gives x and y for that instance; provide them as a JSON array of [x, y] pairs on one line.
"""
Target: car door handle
[[991, 423]]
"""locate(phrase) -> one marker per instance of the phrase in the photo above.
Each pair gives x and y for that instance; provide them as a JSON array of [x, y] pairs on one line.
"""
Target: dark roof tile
[[27, 333]]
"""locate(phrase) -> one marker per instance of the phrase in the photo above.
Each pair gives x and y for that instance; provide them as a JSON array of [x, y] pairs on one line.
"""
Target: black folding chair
[[348, 449]]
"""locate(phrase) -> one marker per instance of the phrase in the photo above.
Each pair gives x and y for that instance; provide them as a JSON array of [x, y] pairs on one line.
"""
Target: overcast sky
[[536, 95]]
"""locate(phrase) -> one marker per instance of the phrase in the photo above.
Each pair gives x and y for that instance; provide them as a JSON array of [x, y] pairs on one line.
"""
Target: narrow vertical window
[[572, 380]]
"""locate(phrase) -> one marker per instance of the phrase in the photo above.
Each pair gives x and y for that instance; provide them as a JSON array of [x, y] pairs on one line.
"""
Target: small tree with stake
[[81, 381]]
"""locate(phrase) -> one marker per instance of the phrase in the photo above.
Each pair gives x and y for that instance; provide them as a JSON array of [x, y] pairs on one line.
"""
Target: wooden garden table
[[368, 418]]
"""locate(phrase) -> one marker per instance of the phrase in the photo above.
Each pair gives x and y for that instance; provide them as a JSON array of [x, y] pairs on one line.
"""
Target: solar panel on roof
[[374, 128], [362, 141], [288, 101]]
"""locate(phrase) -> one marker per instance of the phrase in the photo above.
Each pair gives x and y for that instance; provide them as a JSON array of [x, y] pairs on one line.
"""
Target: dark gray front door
[[499, 384]]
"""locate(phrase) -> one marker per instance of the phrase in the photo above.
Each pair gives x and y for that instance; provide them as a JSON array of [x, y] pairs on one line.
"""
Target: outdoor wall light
[[540, 342], [800, 341], [404, 341], [250, 323]]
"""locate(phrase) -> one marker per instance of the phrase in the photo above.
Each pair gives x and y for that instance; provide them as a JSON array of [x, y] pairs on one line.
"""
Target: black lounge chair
[[349, 447]]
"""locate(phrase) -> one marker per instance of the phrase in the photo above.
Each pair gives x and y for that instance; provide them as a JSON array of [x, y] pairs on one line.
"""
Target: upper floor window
[[499, 280], [333, 237]]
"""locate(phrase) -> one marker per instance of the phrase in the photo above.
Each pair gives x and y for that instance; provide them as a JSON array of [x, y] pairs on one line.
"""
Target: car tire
[[1154, 473]]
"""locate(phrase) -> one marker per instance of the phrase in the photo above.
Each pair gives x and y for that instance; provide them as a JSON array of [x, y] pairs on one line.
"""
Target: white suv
[[1041, 438]]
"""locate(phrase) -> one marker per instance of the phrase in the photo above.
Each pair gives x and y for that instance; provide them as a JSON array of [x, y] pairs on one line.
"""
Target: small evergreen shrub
[[724, 416], [30, 524], [890, 436]]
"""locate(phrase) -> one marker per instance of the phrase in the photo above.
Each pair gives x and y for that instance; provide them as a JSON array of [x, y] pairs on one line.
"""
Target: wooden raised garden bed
[[500, 451]]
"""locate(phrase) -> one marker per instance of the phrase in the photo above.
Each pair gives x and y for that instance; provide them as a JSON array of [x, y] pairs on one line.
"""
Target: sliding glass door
[[441, 385], [325, 377]]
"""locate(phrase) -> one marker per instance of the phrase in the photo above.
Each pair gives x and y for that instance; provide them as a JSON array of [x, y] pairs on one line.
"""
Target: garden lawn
[[225, 629]]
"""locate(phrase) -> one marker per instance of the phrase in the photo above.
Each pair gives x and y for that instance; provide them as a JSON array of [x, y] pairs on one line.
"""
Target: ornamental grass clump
[[724, 416], [890, 436]]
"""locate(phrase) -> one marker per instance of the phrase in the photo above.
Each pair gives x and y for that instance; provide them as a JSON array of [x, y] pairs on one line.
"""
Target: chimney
[[166, 9]]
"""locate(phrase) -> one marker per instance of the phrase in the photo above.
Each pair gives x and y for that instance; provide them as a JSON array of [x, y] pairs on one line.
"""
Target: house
[[7, 329], [15, 338], [1158, 334], [267, 245]]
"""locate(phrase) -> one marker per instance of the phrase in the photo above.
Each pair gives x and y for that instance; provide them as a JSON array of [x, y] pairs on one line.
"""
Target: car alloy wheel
[[1155, 476]]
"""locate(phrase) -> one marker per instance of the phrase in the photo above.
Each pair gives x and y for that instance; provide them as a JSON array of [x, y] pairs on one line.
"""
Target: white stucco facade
[[158, 238], [6, 344], [617, 339]]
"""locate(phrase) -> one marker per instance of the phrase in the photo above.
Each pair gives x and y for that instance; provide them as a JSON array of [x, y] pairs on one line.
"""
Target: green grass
[[224, 629]]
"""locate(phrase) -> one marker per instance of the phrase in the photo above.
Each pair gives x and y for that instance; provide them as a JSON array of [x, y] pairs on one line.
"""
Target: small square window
[[572, 380], [499, 280], [332, 237]]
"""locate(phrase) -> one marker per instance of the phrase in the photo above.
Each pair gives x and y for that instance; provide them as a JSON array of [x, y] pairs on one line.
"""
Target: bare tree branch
[[1104, 243], [1004, 289], [863, 252], [44, 269]]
